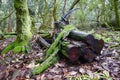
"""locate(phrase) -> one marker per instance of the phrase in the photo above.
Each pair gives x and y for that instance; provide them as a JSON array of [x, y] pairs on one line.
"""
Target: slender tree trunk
[[73, 4], [9, 24], [54, 11], [64, 7], [116, 13]]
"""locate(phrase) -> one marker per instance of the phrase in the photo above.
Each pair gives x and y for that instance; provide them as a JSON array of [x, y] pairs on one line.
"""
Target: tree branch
[[5, 17]]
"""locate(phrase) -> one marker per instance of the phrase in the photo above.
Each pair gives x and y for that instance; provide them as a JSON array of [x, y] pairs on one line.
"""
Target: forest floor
[[105, 67]]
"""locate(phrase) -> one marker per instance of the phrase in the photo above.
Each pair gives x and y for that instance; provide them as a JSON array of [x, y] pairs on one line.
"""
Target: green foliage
[[107, 36], [50, 57], [91, 12], [92, 76], [62, 35], [19, 49]]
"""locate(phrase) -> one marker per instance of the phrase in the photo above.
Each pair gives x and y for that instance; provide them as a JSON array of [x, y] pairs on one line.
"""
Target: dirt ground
[[104, 67]]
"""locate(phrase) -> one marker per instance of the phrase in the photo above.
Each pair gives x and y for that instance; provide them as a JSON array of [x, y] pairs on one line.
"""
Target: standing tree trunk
[[54, 10], [64, 7], [23, 28], [23, 20], [117, 14], [10, 24]]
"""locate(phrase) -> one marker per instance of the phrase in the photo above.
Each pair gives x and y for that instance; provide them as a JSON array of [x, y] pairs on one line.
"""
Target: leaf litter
[[18, 67]]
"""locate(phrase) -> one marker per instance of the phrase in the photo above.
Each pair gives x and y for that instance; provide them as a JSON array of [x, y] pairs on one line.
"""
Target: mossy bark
[[116, 10], [47, 63], [23, 27], [61, 36], [52, 51]]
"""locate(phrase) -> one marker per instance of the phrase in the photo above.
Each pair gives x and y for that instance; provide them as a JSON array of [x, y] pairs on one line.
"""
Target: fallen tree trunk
[[50, 57], [76, 52], [47, 63], [60, 37], [71, 51], [43, 34], [95, 44], [43, 42]]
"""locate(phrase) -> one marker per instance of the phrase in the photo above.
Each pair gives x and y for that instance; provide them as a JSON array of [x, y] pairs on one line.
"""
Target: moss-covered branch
[[52, 51], [61, 36], [47, 63]]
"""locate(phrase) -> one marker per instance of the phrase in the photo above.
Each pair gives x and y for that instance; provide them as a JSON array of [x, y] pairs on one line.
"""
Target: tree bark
[[61, 36], [76, 51], [23, 20], [117, 14], [50, 57], [95, 44], [64, 7], [23, 28], [9, 24], [54, 10]]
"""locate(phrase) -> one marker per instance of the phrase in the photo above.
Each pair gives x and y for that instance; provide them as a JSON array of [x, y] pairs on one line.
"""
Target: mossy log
[[43, 34], [60, 37], [47, 63], [42, 42], [77, 52], [50, 57], [72, 52], [95, 44]]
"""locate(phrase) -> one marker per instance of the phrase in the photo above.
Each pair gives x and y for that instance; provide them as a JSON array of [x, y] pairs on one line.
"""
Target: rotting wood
[[77, 52], [43, 42], [61, 36], [52, 51], [95, 44], [47, 63]]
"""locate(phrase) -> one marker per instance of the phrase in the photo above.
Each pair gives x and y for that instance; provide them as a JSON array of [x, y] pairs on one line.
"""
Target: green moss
[[47, 63], [17, 49], [61, 36], [8, 48], [23, 28]]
